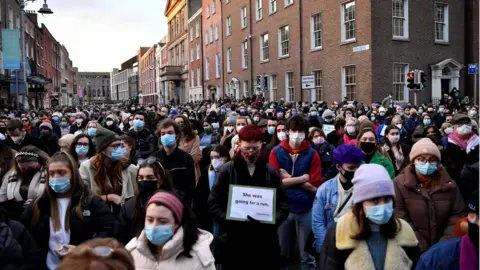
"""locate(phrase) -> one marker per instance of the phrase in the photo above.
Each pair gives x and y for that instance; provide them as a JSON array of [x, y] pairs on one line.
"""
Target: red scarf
[[28, 128], [347, 140]]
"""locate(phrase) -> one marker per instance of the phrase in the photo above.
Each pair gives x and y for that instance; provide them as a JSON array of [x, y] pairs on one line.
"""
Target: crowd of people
[[357, 186]]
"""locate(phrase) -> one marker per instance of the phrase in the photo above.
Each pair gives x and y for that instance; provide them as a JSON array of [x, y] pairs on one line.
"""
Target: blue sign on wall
[[472, 69], [11, 48]]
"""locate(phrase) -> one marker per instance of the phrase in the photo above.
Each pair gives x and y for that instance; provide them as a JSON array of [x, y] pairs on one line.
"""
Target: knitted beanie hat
[[371, 181], [170, 201], [104, 137], [424, 146], [46, 124]]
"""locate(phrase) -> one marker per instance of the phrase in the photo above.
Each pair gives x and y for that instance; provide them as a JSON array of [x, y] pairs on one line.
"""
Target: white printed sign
[[256, 202], [328, 128]]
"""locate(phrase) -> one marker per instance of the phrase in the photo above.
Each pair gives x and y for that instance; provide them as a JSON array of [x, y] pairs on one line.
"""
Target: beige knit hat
[[424, 146]]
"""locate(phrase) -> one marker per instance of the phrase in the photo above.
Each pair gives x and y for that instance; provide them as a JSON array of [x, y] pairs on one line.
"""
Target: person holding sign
[[300, 169], [244, 187], [334, 197]]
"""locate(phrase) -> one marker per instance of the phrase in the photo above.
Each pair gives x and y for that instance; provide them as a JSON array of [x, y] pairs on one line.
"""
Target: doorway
[[445, 85]]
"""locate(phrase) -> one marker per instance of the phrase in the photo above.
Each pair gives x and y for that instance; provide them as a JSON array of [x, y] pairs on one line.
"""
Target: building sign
[[472, 69], [308, 82], [361, 48], [11, 48]]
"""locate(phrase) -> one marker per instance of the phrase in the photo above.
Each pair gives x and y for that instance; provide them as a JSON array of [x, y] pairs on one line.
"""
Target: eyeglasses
[[82, 144], [422, 160]]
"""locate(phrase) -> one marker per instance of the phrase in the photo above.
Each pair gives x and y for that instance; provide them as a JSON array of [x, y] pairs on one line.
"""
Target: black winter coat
[[200, 208], [145, 144], [459, 157], [17, 247], [245, 244], [97, 221], [28, 140]]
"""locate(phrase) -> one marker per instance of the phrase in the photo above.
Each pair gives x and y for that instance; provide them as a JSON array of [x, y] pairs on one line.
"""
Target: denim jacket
[[324, 206]]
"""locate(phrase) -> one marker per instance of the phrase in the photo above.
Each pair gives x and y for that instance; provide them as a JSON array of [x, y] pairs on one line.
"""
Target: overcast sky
[[101, 34]]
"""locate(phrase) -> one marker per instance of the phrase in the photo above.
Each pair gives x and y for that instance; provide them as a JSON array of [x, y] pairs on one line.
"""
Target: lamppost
[[44, 10]]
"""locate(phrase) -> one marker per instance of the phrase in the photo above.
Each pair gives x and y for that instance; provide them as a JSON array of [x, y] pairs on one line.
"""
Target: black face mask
[[368, 148], [473, 233], [348, 175], [147, 188], [3, 130]]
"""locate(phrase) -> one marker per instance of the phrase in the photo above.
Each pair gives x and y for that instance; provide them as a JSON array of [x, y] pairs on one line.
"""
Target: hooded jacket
[[172, 258]]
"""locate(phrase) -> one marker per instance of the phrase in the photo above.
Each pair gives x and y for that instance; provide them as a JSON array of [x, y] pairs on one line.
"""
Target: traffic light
[[423, 80], [411, 80]]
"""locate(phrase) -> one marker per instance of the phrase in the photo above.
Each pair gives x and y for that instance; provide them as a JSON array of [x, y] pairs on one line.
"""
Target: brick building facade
[[195, 57], [214, 85], [147, 78]]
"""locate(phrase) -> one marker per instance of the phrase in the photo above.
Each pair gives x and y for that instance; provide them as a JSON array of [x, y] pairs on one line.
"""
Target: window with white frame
[[191, 33], [245, 54], [316, 31], [206, 38], [211, 33], [289, 86], [318, 74], [258, 9], [264, 54], [198, 77], [198, 51], [400, 91], [192, 78], [243, 17], [217, 65], [229, 60], [207, 69], [197, 29], [192, 55], [246, 89], [288, 3], [272, 6], [216, 32], [349, 82], [214, 7], [273, 83], [400, 18], [228, 23], [348, 21], [441, 22], [283, 41], [208, 11]]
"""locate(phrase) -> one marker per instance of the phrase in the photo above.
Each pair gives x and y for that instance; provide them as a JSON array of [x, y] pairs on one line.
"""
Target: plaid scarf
[[468, 145], [13, 177]]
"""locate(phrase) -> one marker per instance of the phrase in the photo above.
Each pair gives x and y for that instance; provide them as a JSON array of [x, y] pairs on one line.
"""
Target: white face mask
[[281, 136], [351, 130], [227, 129], [79, 121], [399, 126], [394, 138], [464, 130], [217, 163], [130, 123], [296, 138], [109, 123], [239, 128], [256, 119], [448, 130]]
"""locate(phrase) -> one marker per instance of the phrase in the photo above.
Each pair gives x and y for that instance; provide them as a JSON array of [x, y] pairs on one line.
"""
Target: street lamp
[[44, 10]]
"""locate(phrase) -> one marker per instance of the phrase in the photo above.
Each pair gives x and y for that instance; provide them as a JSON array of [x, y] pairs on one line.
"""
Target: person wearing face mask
[[427, 197], [350, 136], [335, 136], [189, 141], [219, 155], [145, 140], [394, 149], [64, 126], [228, 132], [108, 173], [301, 172], [445, 130], [111, 124], [258, 241], [367, 141], [418, 133], [457, 253], [313, 114], [24, 182], [278, 136], [279, 113], [387, 120], [19, 138], [170, 238], [151, 177], [440, 117], [179, 163], [412, 122], [370, 235], [82, 148], [80, 123], [48, 137], [463, 144], [328, 117], [44, 115], [316, 136], [333, 198], [65, 215]]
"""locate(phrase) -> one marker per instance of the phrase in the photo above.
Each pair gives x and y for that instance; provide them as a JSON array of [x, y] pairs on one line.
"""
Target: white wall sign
[[308, 82], [256, 202], [361, 48]]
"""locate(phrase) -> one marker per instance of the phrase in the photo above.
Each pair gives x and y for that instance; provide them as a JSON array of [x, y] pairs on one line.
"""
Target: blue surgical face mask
[[167, 140], [118, 153], [426, 122], [158, 235], [420, 111], [59, 185], [138, 124], [55, 118], [271, 130], [91, 132], [81, 150], [379, 214], [427, 168]]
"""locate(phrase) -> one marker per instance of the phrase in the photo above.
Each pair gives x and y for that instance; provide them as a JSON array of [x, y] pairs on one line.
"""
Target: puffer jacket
[[339, 251], [145, 144], [431, 213], [172, 257]]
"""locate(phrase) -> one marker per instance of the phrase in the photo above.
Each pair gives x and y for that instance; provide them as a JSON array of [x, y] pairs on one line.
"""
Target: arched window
[[446, 71]]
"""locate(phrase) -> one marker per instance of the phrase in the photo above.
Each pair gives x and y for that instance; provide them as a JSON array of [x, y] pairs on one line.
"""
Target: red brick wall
[[211, 49]]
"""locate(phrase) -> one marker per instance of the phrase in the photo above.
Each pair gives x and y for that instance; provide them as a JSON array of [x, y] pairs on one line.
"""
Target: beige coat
[[129, 179], [202, 258], [193, 148]]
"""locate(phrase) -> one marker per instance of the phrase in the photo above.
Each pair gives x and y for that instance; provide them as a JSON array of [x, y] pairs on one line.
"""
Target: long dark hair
[[187, 130], [91, 147], [138, 217], [388, 230], [188, 222], [387, 130], [275, 141]]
